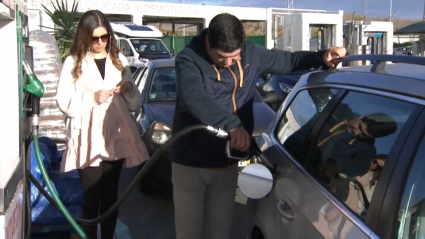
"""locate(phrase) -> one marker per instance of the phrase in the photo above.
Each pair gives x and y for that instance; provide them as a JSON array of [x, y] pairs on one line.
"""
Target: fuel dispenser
[[368, 37], [297, 31], [320, 33]]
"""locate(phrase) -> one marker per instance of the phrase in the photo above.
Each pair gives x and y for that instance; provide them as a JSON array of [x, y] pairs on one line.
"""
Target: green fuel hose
[[36, 89], [62, 207]]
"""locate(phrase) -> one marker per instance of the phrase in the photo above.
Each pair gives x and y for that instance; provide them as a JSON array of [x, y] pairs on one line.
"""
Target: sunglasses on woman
[[103, 38]]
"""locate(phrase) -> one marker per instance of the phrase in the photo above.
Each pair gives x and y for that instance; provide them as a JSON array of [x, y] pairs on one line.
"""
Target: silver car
[[345, 156]]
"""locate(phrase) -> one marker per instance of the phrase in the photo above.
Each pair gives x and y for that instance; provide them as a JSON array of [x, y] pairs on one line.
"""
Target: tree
[[66, 24]]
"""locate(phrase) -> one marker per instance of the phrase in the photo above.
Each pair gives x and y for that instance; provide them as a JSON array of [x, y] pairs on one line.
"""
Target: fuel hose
[[56, 202]]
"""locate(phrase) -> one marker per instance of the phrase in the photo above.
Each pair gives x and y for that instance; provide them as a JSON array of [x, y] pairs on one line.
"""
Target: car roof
[[162, 63], [399, 78], [396, 69]]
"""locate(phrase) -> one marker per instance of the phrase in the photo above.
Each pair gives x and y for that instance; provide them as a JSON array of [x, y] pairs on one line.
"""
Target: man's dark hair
[[380, 125], [226, 33]]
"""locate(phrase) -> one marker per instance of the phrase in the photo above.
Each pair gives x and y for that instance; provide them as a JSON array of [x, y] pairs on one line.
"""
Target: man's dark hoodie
[[222, 97]]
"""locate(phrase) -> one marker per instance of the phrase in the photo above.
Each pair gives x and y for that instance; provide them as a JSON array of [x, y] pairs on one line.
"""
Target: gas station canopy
[[415, 28]]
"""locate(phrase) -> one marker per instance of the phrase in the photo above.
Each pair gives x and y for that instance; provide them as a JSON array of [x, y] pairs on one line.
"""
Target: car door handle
[[285, 210]]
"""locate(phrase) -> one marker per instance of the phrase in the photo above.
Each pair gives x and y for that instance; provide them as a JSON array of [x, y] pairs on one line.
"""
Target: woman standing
[[96, 93]]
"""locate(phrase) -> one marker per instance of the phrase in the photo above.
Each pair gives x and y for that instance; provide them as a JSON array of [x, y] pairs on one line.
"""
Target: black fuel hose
[[218, 132]]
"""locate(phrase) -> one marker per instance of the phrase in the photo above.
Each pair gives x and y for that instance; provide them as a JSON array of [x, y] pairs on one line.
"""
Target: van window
[[149, 46], [125, 48]]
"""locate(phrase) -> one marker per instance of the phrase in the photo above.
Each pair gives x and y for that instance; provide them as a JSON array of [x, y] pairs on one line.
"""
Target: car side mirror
[[172, 52], [285, 88], [255, 181], [269, 97]]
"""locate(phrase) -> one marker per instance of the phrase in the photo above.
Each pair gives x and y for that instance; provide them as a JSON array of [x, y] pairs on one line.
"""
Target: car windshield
[[149, 46], [163, 85]]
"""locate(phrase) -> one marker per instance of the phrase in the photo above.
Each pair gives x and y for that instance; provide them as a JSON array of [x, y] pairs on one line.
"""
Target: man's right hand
[[102, 95], [239, 139]]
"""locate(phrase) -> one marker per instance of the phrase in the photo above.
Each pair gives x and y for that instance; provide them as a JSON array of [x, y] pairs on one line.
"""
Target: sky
[[410, 9]]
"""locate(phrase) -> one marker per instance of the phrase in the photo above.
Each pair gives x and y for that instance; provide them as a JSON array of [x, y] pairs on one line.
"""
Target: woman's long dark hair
[[83, 40]]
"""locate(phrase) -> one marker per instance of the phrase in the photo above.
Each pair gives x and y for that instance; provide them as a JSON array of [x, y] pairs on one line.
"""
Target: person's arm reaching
[[284, 62]]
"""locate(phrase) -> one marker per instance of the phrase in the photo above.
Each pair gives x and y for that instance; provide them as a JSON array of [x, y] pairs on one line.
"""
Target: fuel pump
[[371, 45]]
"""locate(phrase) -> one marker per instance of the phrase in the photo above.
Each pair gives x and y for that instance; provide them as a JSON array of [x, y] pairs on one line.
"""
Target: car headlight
[[161, 133]]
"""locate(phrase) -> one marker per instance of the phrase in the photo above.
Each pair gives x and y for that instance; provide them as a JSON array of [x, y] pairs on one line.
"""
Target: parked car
[[344, 155], [157, 85], [281, 85], [402, 51]]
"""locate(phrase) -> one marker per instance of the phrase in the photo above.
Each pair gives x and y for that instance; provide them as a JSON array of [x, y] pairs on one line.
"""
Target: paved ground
[[153, 216], [150, 217]]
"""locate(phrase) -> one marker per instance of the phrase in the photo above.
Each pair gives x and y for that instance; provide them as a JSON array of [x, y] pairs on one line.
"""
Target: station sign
[[373, 34], [126, 7]]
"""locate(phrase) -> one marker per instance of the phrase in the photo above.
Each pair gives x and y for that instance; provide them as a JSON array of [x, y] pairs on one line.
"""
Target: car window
[[351, 148], [163, 85], [141, 79], [411, 215], [297, 121], [137, 75]]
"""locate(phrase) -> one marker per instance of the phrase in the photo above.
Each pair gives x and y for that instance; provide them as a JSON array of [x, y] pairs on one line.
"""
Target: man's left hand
[[332, 54]]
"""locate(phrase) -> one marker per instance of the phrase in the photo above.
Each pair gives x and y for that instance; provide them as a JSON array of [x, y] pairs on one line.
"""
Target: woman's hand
[[102, 95], [125, 88]]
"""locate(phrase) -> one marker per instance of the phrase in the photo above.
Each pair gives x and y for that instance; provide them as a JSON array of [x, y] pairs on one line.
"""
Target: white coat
[[97, 132]]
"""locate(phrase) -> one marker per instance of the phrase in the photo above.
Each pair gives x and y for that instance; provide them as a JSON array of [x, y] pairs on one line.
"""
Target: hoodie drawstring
[[236, 82], [233, 74]]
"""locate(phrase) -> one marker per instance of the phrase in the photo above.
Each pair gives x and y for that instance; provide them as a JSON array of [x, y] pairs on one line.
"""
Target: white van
[[140, 44]]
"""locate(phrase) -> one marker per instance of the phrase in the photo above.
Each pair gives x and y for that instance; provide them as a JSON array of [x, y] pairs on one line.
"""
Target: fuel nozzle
[[218, 132], [36, 89], [234, 154], [33, 85]]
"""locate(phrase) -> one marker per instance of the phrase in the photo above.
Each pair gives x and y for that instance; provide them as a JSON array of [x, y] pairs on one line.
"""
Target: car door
[[327, 131], [273, 212], [409, 220], [402, 215]]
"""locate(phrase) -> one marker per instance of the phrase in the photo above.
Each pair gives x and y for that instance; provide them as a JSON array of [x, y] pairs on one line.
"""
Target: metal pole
[[391, 10], [365, 9]]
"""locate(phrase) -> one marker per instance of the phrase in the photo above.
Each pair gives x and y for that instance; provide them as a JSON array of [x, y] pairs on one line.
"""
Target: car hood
[[164, 112], [155, 56]]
